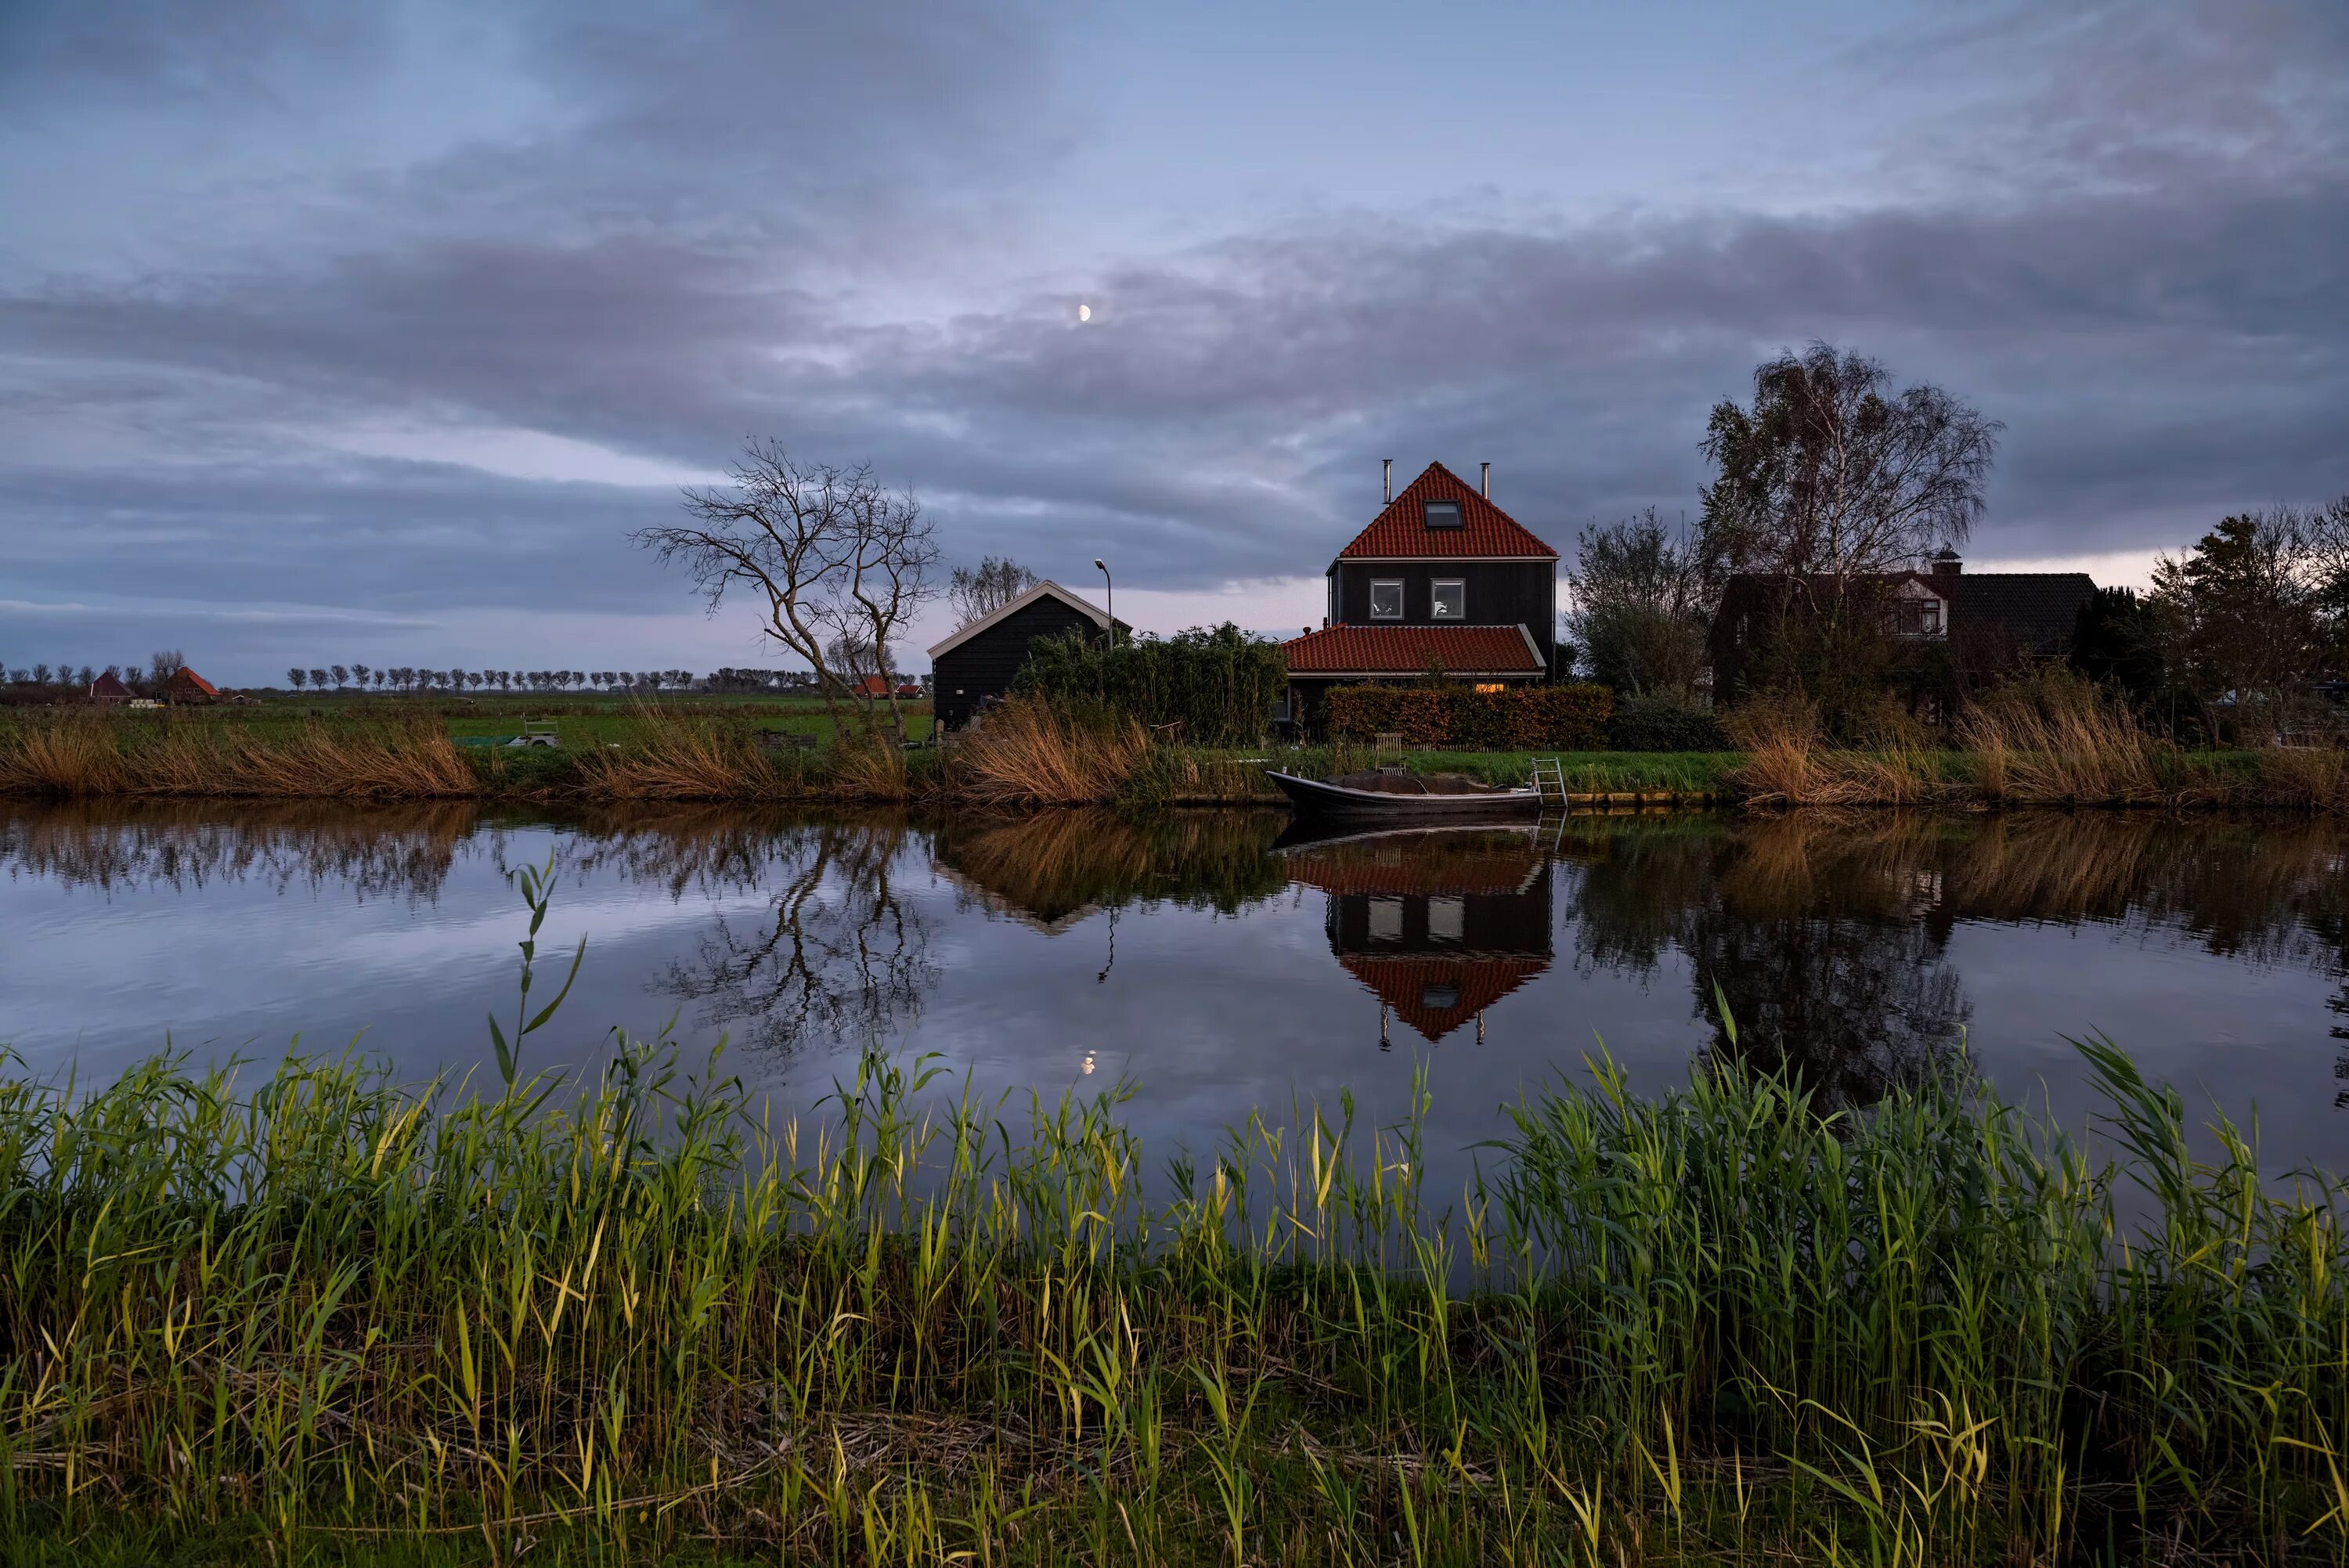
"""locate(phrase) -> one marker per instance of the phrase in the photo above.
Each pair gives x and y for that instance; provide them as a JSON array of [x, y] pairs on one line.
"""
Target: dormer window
[[1444, 514]]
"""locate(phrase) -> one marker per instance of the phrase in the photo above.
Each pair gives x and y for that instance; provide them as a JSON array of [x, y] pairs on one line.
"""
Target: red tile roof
[[1410, 986], [1496, 861], [202, 685], [1401, 531], [1405, 651]]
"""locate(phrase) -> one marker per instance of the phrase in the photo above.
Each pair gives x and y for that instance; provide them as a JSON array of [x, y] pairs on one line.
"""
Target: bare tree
[[1830, 475], [163, 664], [830, 551], [976, 593]]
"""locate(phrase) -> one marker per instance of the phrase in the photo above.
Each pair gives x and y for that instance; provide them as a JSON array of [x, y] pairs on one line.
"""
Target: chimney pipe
[[1386, 478], [1484, 480]]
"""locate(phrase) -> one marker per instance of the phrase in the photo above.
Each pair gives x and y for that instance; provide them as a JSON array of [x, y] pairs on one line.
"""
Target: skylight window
[[1444, 514]]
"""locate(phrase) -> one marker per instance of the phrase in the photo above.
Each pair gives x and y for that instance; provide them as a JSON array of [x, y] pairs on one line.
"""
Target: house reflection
[[1438, 924]]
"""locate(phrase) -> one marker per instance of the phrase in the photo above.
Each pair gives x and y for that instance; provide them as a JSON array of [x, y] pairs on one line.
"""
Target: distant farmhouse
[[108, 689], [187, 686], [1442, 579], [975, 665], [1986, 622]]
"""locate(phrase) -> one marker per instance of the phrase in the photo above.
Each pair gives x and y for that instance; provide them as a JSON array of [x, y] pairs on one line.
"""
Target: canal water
[[1214, 964]]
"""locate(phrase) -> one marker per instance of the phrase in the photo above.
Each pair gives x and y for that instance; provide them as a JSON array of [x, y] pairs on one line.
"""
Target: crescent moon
[[1084, 313]]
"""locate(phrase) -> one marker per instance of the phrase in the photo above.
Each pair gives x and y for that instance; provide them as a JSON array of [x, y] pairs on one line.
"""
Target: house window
[[1447, 919], [1444, 514], [1920, 616], [1386, 920], [1451, 599], [1386, 601]]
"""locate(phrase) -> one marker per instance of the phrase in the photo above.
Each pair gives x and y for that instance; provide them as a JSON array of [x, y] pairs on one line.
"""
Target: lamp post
[[1104, 567]]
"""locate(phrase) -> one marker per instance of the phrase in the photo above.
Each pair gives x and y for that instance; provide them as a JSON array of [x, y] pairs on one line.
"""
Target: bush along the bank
[[1460, 717], [1206, 688], [1664, 724]]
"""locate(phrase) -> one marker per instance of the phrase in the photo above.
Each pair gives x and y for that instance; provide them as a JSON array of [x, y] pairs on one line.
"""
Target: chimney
[[1947, 563], [1386, 478], [1484, 480]]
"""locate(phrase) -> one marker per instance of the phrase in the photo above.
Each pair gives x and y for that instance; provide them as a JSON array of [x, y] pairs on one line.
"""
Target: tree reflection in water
[[840, 953], [1828, 934]]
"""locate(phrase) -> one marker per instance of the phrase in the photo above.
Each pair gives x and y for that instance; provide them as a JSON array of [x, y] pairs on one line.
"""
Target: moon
[[1084, 313]]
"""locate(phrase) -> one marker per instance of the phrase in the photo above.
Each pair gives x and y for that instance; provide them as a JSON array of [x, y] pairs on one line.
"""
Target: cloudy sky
[[335, 333]]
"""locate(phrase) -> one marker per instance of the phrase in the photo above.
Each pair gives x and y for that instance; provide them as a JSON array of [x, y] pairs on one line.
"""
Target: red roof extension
[[1401, 531], [1405, 650], [1409, 985]]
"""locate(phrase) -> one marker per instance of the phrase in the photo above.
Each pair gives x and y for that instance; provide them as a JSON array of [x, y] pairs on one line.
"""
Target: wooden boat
[[1393, 796]]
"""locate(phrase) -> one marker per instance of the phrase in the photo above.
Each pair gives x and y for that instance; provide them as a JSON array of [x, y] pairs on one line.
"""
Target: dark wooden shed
[[976, 663]]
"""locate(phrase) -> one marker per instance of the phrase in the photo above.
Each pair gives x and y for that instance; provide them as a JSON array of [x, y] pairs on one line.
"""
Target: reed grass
[[1031, 752], [326, 1317]]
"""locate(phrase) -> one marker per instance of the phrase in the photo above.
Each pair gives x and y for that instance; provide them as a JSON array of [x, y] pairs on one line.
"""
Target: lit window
[[1386, 601], [1444, 514], [1451, 599], [1447, 919], [1386, 920], [1492, 686]]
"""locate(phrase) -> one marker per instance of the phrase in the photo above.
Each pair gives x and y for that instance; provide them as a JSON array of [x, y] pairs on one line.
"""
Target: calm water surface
[[1206, 958]]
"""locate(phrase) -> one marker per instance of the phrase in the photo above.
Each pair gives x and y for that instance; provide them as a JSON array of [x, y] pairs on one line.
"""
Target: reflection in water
[[1842, 944], [1439, 924], [1050, 871], [839, 954], [401, 850]]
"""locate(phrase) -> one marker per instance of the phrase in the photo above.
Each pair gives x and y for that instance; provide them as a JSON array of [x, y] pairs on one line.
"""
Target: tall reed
[[1030, 751]]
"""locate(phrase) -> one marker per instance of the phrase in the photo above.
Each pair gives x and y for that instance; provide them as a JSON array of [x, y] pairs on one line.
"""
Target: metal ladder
[[1549, 781]]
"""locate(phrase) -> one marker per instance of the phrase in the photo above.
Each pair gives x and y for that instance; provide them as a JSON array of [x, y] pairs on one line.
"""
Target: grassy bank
[[325, 1318], [1026, 756]]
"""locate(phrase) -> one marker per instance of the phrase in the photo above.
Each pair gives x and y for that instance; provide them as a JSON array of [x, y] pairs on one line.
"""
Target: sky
[[335, 334]]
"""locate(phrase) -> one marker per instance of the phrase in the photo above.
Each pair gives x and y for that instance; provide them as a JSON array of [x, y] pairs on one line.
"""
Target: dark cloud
[[708, 244]]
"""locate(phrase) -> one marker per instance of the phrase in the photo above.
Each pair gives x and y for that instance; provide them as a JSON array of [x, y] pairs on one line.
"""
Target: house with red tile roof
[[1442, 579], [186, 685]]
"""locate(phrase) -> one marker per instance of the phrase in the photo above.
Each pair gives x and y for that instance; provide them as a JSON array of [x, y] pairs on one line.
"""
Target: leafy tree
[[342, 677], [360, 673], [2116, 641], [976, 593], [2242, 617], [318, 679], [297, 677], [1830, 473], [1642, 606]]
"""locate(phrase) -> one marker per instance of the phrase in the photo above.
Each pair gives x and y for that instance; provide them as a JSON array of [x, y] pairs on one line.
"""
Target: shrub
[[1219, 686], [1461, 718], [1664, 724]]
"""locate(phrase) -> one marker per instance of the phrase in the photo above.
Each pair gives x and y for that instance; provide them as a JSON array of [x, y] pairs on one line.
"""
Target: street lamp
[[1102, 566]]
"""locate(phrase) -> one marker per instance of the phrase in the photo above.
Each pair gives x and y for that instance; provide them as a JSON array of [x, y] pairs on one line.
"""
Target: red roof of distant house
[[1406, 650], [871, 686], [107, 685], [1401, 531], [195, 680], [1416, 988]]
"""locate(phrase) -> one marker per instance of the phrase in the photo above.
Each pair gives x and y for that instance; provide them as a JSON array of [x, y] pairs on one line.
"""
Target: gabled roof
[[1436, 995], [202, 685], [1401, 531], [1406, 650], [1099, 616], [107, 685]]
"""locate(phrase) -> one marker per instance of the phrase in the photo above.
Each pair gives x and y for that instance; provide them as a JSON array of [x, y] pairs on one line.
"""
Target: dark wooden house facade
[[1441, 578], [975, 665]]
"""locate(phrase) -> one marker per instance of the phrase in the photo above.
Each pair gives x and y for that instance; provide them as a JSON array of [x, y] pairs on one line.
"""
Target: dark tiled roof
[[2035, 608], [1405, 651], [1401, 531], [107, 685], [1415, 986]]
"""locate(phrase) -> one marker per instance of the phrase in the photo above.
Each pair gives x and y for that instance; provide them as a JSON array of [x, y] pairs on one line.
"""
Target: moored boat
[[1390, 795]]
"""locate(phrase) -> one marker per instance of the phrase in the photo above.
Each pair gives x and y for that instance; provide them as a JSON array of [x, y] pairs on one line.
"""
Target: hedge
[[1210, 688], [1664, 724], [1461, 718]]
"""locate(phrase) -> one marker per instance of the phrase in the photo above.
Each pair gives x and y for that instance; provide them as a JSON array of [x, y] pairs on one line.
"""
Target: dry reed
[[1027, 752], [2061, 741]]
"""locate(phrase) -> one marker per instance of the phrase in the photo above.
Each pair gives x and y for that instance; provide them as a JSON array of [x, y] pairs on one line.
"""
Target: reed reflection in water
[[1221, 960]]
